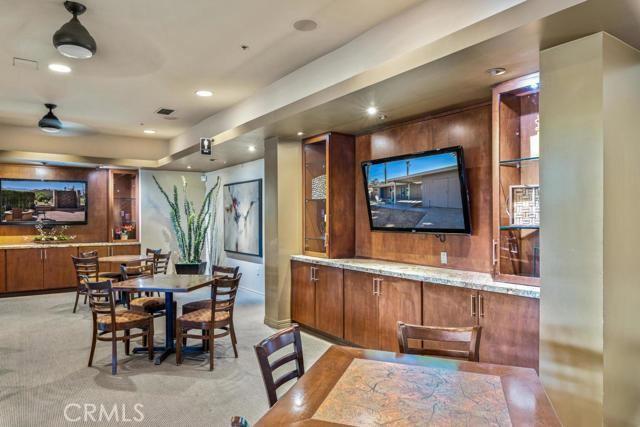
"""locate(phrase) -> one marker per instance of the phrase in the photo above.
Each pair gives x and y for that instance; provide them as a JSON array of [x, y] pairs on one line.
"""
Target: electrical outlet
[[443, 257]]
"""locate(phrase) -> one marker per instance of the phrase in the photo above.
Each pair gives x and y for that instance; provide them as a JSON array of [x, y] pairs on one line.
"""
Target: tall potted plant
[[190, 241]]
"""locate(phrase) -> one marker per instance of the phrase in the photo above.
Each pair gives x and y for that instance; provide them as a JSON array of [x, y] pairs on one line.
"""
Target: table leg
[[170, 328]]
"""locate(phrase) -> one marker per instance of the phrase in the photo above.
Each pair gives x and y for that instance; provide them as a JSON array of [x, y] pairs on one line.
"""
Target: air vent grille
[[165, 111]]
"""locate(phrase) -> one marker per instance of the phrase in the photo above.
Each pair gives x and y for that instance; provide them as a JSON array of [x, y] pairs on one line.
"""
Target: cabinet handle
[[315, 274], [373, 286], [481, 306], [379, 287], [473, 306], [45, 253], [494, 252]]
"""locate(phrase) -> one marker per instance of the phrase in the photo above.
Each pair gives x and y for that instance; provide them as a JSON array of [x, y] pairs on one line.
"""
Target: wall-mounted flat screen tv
[[27, 201], [421, 192]]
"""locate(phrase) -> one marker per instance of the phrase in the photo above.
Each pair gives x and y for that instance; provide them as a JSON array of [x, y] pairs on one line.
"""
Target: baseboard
[[251, 290], [277, 324]]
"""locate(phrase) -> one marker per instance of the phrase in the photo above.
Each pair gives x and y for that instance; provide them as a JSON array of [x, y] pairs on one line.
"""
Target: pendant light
[[72, 39], [49, 122]]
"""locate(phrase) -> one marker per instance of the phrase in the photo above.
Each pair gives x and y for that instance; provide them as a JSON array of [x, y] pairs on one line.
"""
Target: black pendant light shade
[[72, 39], [49, 122]]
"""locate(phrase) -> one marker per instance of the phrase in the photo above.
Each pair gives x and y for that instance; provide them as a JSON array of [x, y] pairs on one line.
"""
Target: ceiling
[[157, 53]]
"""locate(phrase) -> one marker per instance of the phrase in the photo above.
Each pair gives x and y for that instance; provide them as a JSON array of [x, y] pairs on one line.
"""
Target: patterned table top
[[374, 393]]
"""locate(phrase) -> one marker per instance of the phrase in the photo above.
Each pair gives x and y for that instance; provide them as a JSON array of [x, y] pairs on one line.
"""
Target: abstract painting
[[243, 217]]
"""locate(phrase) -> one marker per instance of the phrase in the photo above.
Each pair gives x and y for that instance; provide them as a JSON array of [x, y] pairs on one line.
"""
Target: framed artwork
[[242, 203], [524, 205]]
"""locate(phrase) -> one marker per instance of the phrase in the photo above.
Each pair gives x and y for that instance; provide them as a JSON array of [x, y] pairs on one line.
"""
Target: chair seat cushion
[[147, 304], [199, 305], [124, 320], [202, 316]]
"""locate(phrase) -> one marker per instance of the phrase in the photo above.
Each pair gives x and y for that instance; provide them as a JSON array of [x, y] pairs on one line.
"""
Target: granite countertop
[[436, 275], [31, 245]]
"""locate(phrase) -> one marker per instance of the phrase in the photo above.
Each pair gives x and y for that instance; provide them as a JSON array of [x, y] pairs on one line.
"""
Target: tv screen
[[27, 201], [422, 192]]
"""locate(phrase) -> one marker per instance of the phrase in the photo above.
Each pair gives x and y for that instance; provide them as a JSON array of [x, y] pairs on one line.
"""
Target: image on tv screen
[[419, 192], [56, 202]]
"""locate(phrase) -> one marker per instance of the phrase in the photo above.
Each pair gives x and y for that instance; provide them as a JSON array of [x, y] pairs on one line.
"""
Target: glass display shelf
[[516, 163]]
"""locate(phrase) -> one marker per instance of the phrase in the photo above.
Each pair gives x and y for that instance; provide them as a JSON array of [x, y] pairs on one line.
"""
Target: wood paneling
[[25, 270], [302, 294], [360, 309], [341, 181], [96, 228], [133, 249], [470, 128], [3, 266], [399, 300], [510, 329], [329, 301], [59, 271]]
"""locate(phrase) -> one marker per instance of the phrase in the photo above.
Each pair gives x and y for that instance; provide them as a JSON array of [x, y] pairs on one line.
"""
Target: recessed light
[[534, 85], [372, 111], [189, 167], [204, 93], [382, 116], [300, 133], [498, 71], [252, 148], [305, 25], [149, 131], [60, 68]]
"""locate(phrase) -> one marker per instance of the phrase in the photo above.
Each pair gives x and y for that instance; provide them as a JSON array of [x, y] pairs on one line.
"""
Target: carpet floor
[[45, 381]]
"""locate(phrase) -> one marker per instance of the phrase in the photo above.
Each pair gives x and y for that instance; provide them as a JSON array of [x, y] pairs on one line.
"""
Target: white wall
[[251, 267], [157, 231]]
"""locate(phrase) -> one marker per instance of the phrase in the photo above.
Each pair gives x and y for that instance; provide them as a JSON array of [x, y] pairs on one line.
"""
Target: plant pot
[[190, 268]]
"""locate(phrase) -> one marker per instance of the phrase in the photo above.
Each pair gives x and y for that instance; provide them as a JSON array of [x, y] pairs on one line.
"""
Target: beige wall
[[588, 117], [157, 231], [32, 139], [283, 225]]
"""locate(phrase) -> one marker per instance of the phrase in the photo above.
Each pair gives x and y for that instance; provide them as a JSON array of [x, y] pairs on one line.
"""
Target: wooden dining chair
[[268, 346], [215, 270], [430, 334], [107, 322], [219, 316], [88, 254], [238, 421], [86, 269], [161, 263]]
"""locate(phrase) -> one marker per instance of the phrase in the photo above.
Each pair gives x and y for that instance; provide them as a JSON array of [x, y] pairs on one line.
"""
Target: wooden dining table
[[358, 387], [168, 284]]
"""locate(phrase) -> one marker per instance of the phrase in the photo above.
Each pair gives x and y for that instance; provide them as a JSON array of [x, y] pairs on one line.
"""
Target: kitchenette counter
[[435, 275], [66, 244]]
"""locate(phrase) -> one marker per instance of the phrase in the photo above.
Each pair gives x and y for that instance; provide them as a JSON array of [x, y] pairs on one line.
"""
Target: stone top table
[[125, 259], [349, 386], [435, 275]]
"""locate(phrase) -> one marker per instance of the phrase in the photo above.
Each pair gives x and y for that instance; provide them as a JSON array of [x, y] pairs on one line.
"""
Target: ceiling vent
[[165, 111]]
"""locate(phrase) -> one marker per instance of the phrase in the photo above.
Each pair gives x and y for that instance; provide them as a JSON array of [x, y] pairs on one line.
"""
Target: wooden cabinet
[[25, 270], [374, 305], [303, 307], [329, 185], [329, 308], [360, 309], [133, 249], [510, 329], [59, 271], [316, 297], [510, 324]]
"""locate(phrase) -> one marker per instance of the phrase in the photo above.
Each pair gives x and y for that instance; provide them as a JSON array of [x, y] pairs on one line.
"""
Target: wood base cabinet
[[374, 305], [25, 270], [510, 324], [317, 297]]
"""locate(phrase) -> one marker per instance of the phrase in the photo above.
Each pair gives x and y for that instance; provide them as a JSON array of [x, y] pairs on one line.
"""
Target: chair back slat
[[127, 272], [430, 334], [223, 294], [268, 346], [88, 254], [161, 262], [229, 271], [101, 297], [88, 267]]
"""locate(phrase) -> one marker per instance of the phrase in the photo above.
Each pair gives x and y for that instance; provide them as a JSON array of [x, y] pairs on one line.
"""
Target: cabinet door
[[3, 267], [303, 294], [126, 250], [510, 329], [59, 271], [398, 300], [329, 301], [449, 306], [25, 270], [360, 309]]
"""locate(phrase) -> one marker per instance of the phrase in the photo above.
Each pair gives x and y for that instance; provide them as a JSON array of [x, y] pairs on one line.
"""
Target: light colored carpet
[[44, 349]]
